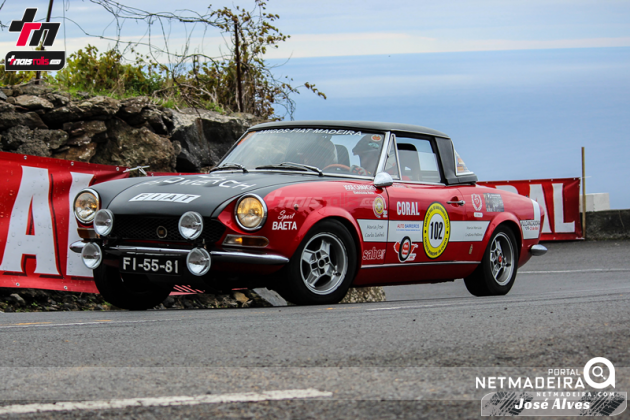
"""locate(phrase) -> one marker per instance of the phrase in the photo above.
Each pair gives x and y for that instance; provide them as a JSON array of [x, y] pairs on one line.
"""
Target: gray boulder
[[205, 136], [25, 141], [84, 132], [33, 102], [82, 153], [97, 108], [129, 146], [13, 119]]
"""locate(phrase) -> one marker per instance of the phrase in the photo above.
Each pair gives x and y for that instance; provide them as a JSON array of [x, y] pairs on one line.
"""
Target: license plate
[[151, 265]]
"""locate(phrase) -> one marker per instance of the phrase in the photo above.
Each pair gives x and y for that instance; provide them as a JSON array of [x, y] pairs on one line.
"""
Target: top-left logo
[[33, 34]]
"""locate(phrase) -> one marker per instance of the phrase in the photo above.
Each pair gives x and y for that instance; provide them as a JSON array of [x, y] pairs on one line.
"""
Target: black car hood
[[203, 193]]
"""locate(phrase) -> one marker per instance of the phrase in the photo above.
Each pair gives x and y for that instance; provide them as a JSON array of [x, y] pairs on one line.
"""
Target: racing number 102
[[435, 230]]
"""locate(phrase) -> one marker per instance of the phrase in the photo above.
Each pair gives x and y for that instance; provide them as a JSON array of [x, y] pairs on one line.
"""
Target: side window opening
[[418, 161]]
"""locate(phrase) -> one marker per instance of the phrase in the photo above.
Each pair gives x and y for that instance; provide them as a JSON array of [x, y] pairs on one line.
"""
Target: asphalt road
[[416, 356]]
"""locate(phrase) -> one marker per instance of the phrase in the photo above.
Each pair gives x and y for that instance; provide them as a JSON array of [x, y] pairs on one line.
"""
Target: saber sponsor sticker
[[436, 230]]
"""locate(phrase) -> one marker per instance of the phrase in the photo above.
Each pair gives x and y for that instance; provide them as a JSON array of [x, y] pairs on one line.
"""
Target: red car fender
[[515, 225], [329, 212]]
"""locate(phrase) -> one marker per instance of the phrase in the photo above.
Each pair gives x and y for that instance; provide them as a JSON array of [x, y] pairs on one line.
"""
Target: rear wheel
[[322, 268], [129, 291], [497, 271]]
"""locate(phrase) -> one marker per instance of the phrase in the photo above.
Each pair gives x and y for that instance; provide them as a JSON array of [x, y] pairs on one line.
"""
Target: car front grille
[[146, 227]]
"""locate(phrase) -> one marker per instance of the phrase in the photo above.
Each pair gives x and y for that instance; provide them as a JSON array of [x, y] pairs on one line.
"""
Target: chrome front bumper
[[218, 256]]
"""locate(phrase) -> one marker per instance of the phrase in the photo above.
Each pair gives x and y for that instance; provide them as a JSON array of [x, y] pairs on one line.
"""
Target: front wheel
[[497, 271], [129, 291], [323, 267]]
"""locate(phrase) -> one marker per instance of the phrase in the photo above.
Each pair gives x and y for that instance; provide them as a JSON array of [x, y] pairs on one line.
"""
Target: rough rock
[[25, 141], [241, 297], [31, 89], [14, 119], [84, 132], [54, 139], [128, 146], [270, 296], [33, 102], [365, 294], [79, 154], [3, 96], [187, 141], [196, 152], [205, 137], [99, 107]]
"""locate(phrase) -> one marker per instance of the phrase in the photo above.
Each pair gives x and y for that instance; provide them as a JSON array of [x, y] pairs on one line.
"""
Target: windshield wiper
[[229, 165], [292, 165]]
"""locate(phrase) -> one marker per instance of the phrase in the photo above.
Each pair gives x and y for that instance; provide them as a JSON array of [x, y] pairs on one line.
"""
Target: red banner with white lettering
[[560, 200], [37, 224]]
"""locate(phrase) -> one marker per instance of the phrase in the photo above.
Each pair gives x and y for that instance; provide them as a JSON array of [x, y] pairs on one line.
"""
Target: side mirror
[[383, 179]]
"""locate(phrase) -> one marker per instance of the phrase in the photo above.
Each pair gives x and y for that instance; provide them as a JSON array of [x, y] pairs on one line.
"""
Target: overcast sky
[[519, 85]]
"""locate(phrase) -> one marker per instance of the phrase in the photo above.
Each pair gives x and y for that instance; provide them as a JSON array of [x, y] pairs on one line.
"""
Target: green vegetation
[[240, 82]]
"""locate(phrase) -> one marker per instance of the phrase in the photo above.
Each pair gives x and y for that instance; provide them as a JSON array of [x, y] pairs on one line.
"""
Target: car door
[[423, 213]]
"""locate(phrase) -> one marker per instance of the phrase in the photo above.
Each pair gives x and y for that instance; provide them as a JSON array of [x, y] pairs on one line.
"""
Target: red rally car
[[310, 209]]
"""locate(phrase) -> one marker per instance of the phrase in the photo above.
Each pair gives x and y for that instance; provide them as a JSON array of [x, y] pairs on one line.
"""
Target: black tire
[[322, 268], [134, 292], [496, 274]]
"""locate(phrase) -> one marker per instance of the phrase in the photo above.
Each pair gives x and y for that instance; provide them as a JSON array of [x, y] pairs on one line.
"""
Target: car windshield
[[331, 151]]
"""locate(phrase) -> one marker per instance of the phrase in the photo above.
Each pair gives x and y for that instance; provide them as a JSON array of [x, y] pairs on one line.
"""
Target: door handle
[[459, 203]]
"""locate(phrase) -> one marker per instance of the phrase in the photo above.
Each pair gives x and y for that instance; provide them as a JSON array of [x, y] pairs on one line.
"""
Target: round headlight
[[198, 261], [92, 255], [103, 222], [86, 205], [251, 212], [190, 225]]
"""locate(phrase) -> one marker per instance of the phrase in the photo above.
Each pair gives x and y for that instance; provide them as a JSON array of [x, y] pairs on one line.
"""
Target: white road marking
[[84, 323], [290, 394], [589, 270]]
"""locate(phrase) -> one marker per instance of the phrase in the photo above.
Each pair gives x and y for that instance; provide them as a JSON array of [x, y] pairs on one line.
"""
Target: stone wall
[[608, 224], [35, 120]]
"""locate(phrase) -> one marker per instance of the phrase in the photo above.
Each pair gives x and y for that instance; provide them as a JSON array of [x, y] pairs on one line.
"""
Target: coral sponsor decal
[[373, 254], [477, 202], [436, 230], [373, 230], [285, 221], [406, 208], [405, 249], [377, 137], [494, 202], [379, 207]]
